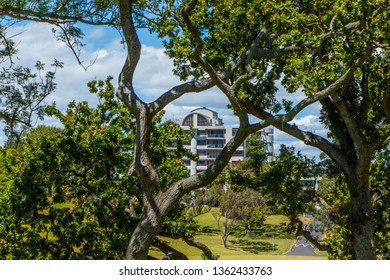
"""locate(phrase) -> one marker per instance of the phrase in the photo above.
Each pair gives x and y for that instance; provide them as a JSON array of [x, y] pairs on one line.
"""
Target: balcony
[[212, 155], [219, 136], [216, 133], [217, 146]]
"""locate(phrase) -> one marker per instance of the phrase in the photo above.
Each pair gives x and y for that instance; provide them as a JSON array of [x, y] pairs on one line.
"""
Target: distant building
[[310, 184], [211, 136]]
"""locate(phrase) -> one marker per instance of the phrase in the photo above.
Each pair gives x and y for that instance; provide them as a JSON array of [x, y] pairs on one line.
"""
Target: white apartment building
[[211, 136]]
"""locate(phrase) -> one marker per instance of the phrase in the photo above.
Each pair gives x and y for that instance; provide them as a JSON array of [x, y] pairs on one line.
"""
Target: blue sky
[[153, 75]]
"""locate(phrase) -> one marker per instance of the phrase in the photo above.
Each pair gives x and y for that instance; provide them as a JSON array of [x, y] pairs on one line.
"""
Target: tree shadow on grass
[[254, 247], [266, 231], [209, 230], [254, 243]]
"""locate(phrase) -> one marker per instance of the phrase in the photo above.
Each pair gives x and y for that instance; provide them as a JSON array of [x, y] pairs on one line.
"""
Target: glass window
[[215, 143], [213, 154], [201, 142], [188, 121], [202, 121], [216, 133]]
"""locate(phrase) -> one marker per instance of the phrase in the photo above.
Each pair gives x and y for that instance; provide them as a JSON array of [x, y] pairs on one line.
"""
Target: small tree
[[22, 98], [280, 182], [246, 208]]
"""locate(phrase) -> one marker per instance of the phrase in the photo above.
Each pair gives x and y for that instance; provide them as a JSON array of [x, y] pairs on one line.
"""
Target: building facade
[[211, 136]]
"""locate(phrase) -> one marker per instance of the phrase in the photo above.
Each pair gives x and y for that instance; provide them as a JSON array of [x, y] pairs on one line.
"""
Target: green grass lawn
[[240, 246], [269, 242]]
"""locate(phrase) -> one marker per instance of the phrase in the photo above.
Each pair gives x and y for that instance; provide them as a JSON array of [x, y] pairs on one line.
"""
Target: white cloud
[[96, 33], [283, 94], [282, 138], [311, 123]]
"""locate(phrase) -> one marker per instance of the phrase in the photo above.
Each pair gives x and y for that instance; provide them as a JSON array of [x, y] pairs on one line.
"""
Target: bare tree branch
[[178, 91], [74, 45]]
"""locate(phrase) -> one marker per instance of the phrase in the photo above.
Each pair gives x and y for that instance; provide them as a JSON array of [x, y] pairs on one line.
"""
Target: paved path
[[302, 247]]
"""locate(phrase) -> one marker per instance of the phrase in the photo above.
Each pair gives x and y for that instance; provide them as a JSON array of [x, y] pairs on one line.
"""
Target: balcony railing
[[215, 136], [215, 146]]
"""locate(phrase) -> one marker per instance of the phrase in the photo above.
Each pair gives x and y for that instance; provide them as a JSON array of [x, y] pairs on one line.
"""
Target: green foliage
[[237, 203], [380, 188], [307, 45], [7, 46], [89, 11], [169, 164], [246, 207], [334, 191], [227, 29], [8, 167], [84, 165], [280, 181], [178, 224]]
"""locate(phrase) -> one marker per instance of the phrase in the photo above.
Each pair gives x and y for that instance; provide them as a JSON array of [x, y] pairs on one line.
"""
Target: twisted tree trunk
[[144, 234]]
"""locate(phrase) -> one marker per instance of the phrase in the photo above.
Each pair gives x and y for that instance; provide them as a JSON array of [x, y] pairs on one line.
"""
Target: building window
[[202, 121], [189, 121], [216, 133], [215, 143], [213, 154]]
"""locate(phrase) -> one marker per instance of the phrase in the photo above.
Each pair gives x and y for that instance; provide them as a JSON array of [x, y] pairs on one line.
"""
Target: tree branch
[[346, 27], [339, 83], [73, 45], [206, 250], [301, 232], [349, 120], [178, 91], [170, 253], [188, 24], [280, 121], [249, 74], [125, 90], [269, 54], [53, 17]]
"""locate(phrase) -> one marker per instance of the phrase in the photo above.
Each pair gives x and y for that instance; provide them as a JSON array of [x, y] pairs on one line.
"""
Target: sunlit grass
[[268, 242]]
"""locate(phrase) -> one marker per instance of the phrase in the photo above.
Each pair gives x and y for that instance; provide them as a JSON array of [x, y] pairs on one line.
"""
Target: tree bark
[[362, 216], [143, 235], [206, 250], [170, 253]]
